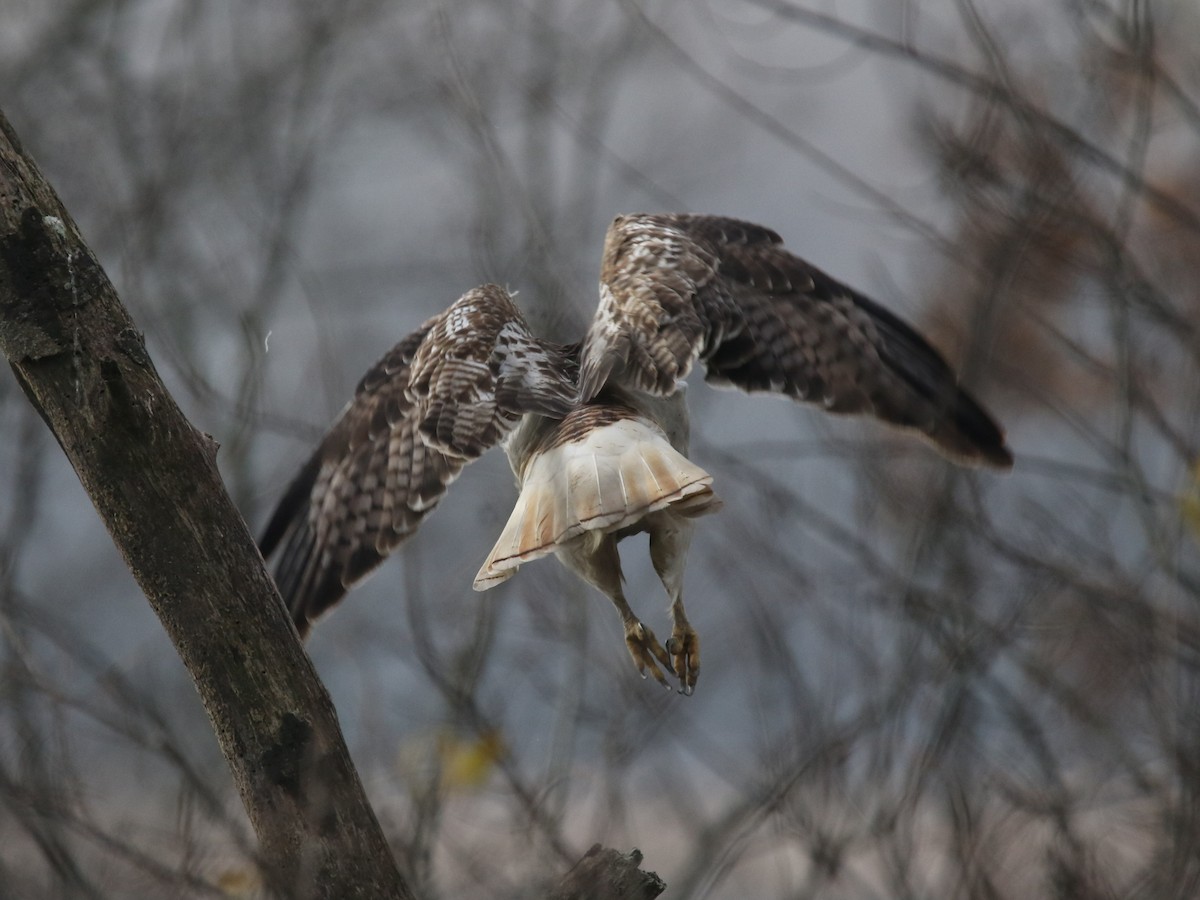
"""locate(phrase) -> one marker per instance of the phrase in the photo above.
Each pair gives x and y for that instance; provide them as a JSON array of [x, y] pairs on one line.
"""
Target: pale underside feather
[[601, 470]]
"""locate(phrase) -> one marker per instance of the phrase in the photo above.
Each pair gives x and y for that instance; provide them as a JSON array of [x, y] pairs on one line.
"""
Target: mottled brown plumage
[[597, 432]]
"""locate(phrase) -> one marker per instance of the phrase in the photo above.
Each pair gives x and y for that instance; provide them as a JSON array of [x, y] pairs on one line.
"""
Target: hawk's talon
[[684, 648], [647, 652]]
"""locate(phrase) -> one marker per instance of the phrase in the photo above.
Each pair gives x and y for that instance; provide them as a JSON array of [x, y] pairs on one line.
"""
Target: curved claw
[[647, 652], [684, 648]]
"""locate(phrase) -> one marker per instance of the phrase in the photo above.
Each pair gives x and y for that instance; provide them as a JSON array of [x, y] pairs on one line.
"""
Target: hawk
[[596, 432]]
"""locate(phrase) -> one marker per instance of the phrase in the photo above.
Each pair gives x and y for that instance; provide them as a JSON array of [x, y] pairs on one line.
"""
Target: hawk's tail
[[600, 476]]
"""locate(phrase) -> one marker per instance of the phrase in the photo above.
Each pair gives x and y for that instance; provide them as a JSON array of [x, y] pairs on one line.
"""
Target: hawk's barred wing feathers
[[436, 401], [677, 288]]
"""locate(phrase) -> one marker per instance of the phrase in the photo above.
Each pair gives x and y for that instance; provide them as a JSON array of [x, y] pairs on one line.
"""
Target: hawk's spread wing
[[438, 400], [677, 288]]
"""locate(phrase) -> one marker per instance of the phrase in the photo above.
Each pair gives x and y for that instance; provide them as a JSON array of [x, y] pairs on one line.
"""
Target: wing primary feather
[[293, 503]]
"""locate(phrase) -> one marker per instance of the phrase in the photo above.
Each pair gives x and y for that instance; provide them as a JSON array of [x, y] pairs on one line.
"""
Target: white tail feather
[[607, 481]]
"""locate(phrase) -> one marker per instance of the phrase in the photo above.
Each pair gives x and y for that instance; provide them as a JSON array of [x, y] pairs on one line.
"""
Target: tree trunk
[[153, 479]]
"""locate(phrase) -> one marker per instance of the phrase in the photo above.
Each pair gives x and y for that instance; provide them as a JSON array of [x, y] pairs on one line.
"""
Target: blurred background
[[918, 681]]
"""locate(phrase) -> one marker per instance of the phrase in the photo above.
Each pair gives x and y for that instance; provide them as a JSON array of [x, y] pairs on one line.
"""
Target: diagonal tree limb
[[153, 479]]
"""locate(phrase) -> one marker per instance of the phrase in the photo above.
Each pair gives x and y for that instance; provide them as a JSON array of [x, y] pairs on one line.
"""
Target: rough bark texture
[[605, 874], [153, 479]]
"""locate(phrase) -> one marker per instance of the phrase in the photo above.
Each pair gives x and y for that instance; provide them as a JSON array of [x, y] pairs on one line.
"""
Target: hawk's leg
[[670, 536], [601, 568]]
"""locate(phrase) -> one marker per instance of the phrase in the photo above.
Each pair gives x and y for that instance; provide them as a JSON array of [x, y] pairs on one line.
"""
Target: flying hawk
[[597, 431]]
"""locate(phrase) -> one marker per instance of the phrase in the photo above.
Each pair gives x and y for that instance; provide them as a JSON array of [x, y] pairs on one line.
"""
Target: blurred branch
[[989, 89], [791, 138]]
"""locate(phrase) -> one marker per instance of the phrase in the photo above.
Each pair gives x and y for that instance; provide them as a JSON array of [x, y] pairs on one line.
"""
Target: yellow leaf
[[467, 764], [1189, 503], [238, 882]]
